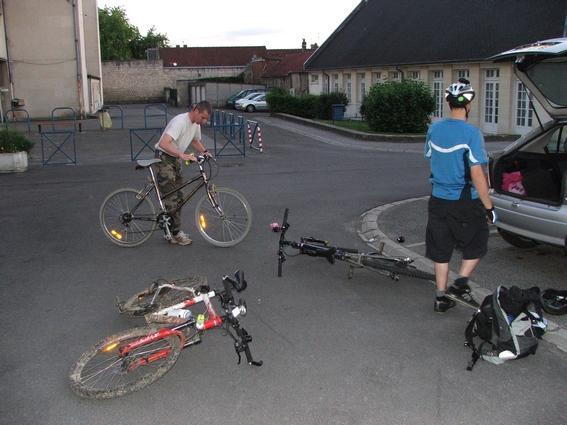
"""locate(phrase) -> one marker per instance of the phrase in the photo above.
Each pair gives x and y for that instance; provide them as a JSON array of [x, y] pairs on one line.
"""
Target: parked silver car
[[529, 178], [241, 94], [257, 103]]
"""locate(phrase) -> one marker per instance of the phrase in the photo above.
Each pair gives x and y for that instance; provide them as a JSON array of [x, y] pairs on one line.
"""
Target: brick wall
[[145, 81]]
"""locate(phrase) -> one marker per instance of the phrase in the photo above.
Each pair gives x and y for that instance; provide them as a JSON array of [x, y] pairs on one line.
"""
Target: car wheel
[[250, 108], [517, 241]]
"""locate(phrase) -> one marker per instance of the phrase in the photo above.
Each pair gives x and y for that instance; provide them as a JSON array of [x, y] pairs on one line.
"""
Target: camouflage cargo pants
[[169, 176]]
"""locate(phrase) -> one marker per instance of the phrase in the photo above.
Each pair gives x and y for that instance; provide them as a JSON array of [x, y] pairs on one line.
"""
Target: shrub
[[14, 141], [399, 107], [305, 106], [326, 102]]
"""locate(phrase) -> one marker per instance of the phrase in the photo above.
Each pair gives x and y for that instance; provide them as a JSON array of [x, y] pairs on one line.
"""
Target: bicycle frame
[[160, 197], [230, 317]]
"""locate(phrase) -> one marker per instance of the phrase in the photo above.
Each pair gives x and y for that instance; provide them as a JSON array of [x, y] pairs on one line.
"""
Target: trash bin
[[338, 111], [104, 117]]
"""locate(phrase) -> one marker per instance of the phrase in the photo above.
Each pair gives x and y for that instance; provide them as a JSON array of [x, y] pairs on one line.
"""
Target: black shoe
[[461, 293], [442, 304]]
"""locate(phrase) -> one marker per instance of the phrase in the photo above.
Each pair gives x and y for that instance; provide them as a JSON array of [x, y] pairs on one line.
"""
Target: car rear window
[[550, 77]]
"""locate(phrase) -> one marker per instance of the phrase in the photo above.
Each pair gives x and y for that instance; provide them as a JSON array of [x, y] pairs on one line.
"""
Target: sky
[[230, 23]]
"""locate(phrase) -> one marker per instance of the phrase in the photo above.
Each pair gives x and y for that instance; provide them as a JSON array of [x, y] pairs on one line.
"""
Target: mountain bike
[[388, 265], [133, 359], [223, 216]]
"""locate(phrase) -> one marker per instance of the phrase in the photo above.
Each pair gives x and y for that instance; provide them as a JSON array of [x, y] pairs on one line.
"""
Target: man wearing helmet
[[459, 208]]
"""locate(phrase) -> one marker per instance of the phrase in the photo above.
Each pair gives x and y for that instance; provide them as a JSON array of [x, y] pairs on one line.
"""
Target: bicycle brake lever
[[238, 348]]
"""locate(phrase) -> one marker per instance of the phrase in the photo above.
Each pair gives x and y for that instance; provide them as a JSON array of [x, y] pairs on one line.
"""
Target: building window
[[348, 85], [491, 96], [336, 86], [492, 73], [362, 86], [438, 93], [376, 77], [463, 73], [524, 112], [414, 75], [395, 76], [314, 78]]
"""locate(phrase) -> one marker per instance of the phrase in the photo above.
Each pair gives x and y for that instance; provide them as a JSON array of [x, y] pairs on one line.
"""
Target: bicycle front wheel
[[396, 269], [127, 220], [101, 372], [225, 218]]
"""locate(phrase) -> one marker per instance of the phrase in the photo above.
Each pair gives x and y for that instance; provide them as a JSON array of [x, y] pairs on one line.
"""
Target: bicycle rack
[[142, 134], [54, 118], [52, 136], [157, 105], [232, 131], [14, 118]]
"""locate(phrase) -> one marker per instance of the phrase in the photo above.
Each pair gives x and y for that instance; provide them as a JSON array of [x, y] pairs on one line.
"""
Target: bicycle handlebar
[[308, 245]]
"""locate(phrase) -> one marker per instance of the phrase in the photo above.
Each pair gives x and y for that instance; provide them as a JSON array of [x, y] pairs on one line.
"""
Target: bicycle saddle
[[147, 162]]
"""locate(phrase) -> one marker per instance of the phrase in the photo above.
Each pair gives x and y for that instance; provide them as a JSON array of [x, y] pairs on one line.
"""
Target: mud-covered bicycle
[[223, 216], [135, 358], [378, 261]]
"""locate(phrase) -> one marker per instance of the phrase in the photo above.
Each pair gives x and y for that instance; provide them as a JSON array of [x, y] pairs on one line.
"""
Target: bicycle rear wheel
[[396, 269], [144, 302], [127, 220], [226, 223], [101, 372]]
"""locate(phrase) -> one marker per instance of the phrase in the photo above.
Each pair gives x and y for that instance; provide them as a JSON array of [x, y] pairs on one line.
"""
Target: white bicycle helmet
[[459, 94]]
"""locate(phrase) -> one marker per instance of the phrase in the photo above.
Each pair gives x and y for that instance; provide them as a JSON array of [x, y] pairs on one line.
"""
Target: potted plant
[[14, 150]]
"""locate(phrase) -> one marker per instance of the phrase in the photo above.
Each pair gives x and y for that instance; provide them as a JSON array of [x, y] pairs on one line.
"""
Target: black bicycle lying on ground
[[380, 262]]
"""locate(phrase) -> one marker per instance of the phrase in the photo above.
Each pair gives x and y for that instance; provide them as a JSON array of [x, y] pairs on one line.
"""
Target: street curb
[[374, 237]]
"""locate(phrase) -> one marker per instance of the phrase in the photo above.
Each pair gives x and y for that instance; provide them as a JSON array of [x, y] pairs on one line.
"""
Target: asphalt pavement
[[365, 350]]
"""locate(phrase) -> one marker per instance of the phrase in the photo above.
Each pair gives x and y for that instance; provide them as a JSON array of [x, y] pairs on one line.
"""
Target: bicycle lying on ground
[[133, 359], [223, 216], [380, 262]]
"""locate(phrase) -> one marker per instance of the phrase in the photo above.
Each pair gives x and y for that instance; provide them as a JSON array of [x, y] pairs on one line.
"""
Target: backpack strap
[[469, 341]]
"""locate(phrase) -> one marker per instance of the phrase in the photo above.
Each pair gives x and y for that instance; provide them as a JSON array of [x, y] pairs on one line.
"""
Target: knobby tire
[[101, 375], [137, 305]]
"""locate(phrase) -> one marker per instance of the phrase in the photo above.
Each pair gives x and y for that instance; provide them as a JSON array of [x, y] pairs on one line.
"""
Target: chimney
[[303, 46]]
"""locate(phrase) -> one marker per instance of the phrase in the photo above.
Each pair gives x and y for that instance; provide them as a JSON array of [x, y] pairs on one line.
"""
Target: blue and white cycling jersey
[[453, 146]]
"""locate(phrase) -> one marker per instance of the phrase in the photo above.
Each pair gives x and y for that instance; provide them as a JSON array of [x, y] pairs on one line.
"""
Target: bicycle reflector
[[111, 347], [116, 234], [203, 222]]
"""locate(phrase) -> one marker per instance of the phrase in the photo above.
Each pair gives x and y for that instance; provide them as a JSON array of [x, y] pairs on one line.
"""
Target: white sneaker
[[181, 239]]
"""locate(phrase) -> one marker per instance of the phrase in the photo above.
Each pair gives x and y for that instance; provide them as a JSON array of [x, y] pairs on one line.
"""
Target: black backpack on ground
[[507, 328]]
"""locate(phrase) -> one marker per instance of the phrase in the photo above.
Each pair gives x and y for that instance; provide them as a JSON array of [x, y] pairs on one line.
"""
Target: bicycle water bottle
[[184, 314], [200, 321]]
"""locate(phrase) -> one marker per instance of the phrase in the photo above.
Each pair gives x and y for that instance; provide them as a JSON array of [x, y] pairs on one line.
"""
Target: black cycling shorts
[[460, 225]]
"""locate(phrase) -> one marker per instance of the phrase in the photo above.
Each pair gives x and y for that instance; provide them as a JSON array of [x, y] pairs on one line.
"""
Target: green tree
[[399, 107], [152, 40], [120, 40]]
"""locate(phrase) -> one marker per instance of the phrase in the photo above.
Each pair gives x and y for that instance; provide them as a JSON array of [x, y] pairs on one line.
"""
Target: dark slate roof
[[211, 56], [404, 32], [288, 64]]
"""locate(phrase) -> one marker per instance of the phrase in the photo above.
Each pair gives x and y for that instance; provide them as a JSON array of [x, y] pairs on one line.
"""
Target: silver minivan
[[528, 180]]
